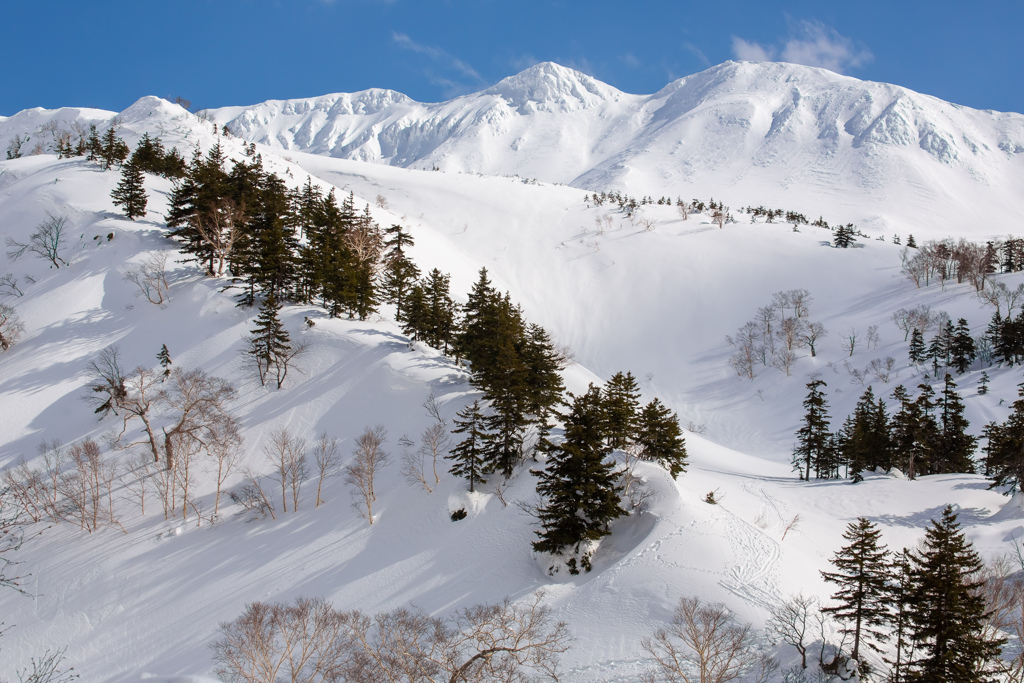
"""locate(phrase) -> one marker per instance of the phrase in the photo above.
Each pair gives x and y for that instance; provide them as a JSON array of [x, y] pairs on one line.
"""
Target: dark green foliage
[[164, 358], [581, 497], [910, 433], [270, 345], [918, 352], [622, 408], [400, 273], [468, 456], [947, 608], [660, 438], [911, 242], [194, 201], [113, 150], [983, 384], [814, 438], [844, 236], [939, 348], [459, 514], [862, 576], [865, 443], [953, 448], [130, 193], [961, 347], [1004, 454]]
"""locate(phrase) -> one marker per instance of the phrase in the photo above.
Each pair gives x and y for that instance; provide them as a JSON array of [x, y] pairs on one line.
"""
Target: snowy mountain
[[657, 300], [755, 133]]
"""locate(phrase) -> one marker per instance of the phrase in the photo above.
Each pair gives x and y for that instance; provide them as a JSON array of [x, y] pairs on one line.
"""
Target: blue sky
[[107, 54]]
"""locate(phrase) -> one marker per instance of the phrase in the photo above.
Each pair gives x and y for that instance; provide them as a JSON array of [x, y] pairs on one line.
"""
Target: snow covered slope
[[771, 133], [657, 302]]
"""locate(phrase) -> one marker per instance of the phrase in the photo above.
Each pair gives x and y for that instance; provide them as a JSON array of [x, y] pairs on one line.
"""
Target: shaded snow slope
[[657, 302]]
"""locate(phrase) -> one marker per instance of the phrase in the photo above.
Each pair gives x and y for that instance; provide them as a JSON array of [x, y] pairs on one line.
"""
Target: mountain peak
[[548, 86]]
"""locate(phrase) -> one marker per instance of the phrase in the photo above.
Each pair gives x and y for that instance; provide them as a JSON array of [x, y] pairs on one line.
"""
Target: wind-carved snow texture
[[657, 302]]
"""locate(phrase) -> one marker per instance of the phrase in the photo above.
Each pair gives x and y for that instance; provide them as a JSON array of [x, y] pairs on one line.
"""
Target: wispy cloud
[[698, 53], [631, 60], [453, 75], [812, 44]]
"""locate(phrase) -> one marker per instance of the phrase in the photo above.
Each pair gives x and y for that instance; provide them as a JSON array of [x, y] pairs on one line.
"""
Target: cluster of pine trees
[[951, 347], [926, 435], [927, 602]]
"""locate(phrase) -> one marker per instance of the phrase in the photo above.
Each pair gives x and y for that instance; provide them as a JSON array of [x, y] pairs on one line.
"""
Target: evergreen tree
[[918, 352], [130, 192], [270, 344], [948, 608], [938, 349], [1004, 454], [400, 273], [983, 383], [862, 575], [113, 149], [149, 155], [901, 586], [994, 331], [866, 440], [911, 242], [93, 146], [926, 433], [467, 456], [440, 308], [844, 236], [621, 407], [961, 347], [164, 358], [581, 497], [813, 437], [953, 448], [660, 438]]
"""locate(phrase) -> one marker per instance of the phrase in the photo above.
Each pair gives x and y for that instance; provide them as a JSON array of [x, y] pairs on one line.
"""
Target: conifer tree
[[149, 155], [270, 345], [918, 351], [581, 497], [468, 455], [164, 358], [93, 146], [660, 438], [866, 440], [813, 437], [440, 320], [948, 612], [400, 273], [130, 192], [862, 576], [983, 383], [953, 448], [926, 433], [961, 348], [1004, 454], [113, 150], [901, 586], [621, 406]]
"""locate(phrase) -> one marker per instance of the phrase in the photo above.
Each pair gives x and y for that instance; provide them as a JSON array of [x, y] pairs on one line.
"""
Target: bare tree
[[800, 300], [381, 201], [997, 294], [135, 479], [721, 216], [881, 368], [287, 454], [849, 342], [684, 209], [327, 459], [150, 276], [908, 320], [791, 332], [47, 242], [253, 497], [196, 403], [87, 486], [370, 458], [220, 229], [812, 332], [186, 455], [784, 359], [226, 449], [311, 641], [11, 327], [704, 643], [9, 286], [792, 621], [873, 339]]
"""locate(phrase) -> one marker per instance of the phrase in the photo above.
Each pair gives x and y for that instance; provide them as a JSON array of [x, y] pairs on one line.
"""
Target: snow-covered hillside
[[657, 300]]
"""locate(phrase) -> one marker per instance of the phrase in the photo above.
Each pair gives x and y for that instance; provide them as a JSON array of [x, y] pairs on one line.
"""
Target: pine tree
[[1004, 454], [113, 150], [901, 586], [911, 242], [813, 437], [953, 449], [164, 358], [918, 352], [467, 456], [961, 348], [130, 192], [660, 438], [149, 155], [581, 497], [270, 344], [400, 273], [938, 349], [926, 433], [866, 441], [983, 383], [948, 608], [862, 575], [621, 407]]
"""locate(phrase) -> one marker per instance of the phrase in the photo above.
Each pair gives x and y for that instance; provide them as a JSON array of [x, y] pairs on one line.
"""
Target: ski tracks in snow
[[755, 575]]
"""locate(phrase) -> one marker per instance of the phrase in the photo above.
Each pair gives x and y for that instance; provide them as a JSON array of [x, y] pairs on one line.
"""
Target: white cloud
[[750, 52], [630, 60], [463, 80], [813, 44], [699, 54]]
